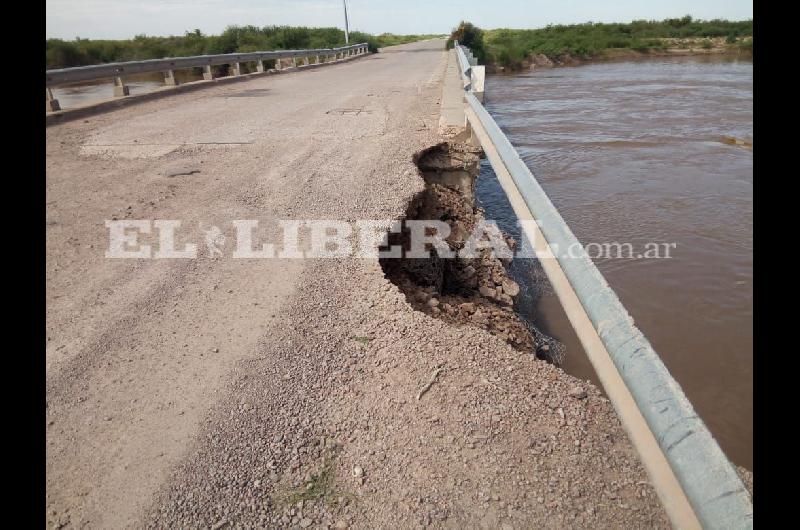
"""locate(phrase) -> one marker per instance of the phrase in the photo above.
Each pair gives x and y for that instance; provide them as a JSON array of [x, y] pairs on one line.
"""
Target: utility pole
[[346, 24]]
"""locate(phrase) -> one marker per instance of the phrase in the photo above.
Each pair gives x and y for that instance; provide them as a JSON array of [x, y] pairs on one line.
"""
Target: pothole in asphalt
[[251, 93], [473, 291]]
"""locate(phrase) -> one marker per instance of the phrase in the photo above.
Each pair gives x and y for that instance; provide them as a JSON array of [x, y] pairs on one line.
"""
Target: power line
[[346, 24]]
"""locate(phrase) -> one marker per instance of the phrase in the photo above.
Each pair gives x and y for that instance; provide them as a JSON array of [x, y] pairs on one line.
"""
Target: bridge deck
[[187, 392]]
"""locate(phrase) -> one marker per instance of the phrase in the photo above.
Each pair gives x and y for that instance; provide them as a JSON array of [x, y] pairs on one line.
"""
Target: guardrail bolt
[[120, 89], [169, 78], [52, 103], [208, 73]]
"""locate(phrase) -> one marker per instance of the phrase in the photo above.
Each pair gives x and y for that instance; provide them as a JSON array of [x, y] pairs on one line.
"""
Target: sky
[[122, 19]]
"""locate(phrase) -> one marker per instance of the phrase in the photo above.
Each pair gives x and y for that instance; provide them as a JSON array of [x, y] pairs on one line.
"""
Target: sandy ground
[[215, 392]]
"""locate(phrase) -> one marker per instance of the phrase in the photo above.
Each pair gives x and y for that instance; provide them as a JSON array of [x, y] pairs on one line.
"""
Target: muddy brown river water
[[634, 152]]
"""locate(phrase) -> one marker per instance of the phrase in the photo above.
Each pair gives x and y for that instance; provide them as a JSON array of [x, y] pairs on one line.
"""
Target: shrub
[[470, 36]]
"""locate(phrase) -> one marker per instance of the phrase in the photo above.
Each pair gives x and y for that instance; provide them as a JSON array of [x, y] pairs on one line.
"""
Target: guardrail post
[[169, 78], [260, 65], [120, 90], [316, 61], [52, 102], [208, 73], [237, 68], [278, 64], [294, 62]]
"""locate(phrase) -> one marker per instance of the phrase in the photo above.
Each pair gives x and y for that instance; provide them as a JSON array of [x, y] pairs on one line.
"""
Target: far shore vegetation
[[514, 48], [235, 39]]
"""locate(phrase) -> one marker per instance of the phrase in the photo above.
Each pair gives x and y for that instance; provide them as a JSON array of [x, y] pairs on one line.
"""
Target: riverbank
[[670, 48], [516, 49]]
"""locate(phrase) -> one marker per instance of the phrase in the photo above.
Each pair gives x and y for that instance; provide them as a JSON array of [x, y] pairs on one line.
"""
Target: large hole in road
[[461, 291]]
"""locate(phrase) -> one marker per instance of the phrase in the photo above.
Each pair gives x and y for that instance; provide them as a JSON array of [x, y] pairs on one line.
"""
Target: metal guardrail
[[118, 71], [109, 70], [464, 66], [472, 75], [707, 478]]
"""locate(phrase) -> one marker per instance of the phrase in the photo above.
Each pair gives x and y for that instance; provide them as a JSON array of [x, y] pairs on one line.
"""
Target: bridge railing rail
[[118, 71], [472, 74], [697, 484]]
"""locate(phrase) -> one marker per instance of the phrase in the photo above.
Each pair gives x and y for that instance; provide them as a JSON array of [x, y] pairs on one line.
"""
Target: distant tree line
[[81, 52], [509, 47]]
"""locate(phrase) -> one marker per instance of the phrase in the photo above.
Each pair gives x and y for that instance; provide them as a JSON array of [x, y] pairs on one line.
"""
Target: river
[[633, 152]]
